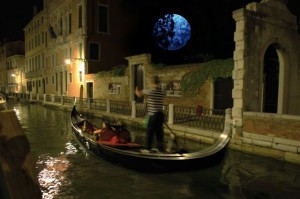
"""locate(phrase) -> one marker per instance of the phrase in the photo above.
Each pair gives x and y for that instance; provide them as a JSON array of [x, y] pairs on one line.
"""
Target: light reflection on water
[[66, 170], [52, 176]]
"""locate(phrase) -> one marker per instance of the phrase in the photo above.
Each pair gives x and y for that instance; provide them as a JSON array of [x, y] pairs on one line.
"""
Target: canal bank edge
[[251, 143]]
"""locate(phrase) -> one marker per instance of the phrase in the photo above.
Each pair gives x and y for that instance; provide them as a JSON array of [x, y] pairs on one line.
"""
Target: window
[[102, 19], [70, 53], [56, 82], [70, 78], [80, 16], [94, 51], [66, 80], [114, 88], [80, 76], [70, 23], [173, 88], [80, 50]]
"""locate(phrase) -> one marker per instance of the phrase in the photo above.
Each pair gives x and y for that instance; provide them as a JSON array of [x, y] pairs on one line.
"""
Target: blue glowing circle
[[172, 32]]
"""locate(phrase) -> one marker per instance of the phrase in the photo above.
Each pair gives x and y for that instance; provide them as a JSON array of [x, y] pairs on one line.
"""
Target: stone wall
[[101, 87], [260, 26], [167, 74], [272, 135], [283, 126]]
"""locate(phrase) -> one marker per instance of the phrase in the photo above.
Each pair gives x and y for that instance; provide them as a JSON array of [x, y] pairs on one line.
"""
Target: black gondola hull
[[148, 162]]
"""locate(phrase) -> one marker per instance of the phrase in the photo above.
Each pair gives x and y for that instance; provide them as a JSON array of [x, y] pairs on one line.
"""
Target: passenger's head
[[106, 124]]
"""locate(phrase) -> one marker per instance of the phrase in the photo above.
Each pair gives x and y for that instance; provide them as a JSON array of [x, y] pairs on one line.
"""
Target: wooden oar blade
[[173, 144]]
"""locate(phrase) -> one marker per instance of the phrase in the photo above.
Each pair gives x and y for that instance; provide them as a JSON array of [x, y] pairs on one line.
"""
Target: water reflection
[[52, 175], [249, 176], [66, 170]]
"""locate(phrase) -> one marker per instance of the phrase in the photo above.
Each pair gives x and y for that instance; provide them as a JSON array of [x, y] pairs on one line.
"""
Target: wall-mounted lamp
[[14, 74], [68, 61]]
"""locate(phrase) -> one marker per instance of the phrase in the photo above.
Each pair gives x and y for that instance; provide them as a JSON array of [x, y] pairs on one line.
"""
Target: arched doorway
[[271, 80]]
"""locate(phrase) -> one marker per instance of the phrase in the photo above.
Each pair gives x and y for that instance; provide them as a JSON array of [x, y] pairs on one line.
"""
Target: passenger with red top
[[122, 133], [106, 133]]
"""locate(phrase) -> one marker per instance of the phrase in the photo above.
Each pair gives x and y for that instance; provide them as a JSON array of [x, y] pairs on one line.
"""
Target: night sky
[[211, 23]]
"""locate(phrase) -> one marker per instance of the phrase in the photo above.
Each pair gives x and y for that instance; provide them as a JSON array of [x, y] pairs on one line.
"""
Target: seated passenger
[[122, 133], [106, 133]]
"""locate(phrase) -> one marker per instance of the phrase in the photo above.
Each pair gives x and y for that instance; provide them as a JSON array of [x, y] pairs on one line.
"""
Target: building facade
[[15, 74], [69, 39], [11, 60]]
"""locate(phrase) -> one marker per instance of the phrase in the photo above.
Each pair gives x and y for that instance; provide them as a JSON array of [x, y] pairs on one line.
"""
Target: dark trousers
[[155, 128]]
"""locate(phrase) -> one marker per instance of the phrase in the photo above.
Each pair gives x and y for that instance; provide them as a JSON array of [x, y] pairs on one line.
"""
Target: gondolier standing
[[155, 100]]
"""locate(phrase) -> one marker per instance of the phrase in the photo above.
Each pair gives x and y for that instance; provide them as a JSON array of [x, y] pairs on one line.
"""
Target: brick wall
[[283, 126]]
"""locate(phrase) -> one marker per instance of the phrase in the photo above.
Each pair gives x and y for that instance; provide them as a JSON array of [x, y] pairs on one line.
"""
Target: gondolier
[[155, 99]]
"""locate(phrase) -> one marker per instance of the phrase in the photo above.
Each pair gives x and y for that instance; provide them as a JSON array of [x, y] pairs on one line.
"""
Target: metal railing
[[120, 107], [198, 117], [98, 104]]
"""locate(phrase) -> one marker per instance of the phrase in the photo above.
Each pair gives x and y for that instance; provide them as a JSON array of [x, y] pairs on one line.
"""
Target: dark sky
[[14, 15], [211, 23]]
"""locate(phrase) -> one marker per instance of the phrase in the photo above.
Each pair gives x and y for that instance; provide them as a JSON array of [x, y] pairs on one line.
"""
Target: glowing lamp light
[[81, 66], [68, 61]]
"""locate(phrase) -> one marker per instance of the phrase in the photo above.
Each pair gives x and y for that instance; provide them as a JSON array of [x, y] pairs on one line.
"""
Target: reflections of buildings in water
[[66, 170]]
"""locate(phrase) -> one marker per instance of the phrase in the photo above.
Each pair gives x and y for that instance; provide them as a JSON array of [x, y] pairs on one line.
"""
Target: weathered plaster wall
[[259, 26]]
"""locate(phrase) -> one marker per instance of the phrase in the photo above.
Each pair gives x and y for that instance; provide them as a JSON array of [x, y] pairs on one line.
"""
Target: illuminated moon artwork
[[172, 32]]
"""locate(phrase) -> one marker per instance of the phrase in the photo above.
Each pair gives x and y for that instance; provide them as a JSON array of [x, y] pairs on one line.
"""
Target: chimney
[[35, 10]]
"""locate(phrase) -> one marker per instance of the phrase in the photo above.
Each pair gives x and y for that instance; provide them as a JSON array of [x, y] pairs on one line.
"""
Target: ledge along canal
[[65, 170]]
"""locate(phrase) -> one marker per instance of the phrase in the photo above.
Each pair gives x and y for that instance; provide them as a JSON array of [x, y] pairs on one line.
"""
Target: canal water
[[65, 170]]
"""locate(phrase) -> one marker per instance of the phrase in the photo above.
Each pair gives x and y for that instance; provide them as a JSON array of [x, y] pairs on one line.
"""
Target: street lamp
[[68, 61]]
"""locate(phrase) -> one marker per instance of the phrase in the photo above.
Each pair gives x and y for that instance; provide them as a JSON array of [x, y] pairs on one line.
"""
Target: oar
[[180, 148]]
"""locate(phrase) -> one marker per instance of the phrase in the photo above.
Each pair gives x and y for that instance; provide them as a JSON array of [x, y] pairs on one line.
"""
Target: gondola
[[132, 155]]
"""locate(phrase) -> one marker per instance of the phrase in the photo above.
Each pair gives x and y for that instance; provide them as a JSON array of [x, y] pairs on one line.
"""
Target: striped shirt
[[155, 100]]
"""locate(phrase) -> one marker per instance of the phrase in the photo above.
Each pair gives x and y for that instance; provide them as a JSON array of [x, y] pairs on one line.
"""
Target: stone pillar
[[133, 109], [171, 114], [238, 71], [228, 121], [45, 98], [107, 106]]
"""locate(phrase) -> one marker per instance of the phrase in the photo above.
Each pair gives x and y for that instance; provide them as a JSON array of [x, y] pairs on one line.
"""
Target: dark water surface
[[67, 171]]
